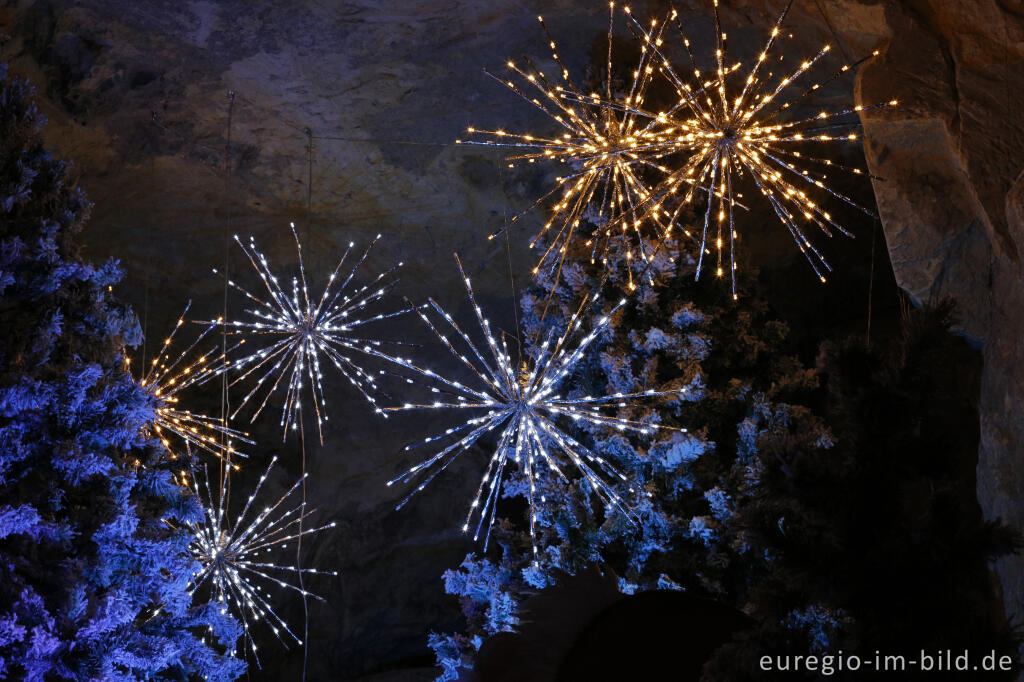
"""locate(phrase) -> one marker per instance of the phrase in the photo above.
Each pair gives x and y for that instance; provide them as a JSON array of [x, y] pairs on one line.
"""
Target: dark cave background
[[137, 94]]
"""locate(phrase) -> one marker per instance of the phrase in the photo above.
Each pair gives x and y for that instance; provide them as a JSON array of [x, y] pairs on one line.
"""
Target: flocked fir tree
[[886, 533], [93, 581], [744, 406]]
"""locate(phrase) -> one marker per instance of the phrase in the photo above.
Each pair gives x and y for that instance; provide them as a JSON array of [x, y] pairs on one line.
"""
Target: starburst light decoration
[[729, 125], [169, 374], [237, 556], [523, 406], [607, 147], [727, 132], [299, 331]]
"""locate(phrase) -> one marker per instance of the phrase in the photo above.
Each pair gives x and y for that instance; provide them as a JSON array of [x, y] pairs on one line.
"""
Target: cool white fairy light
[[236, 557], [300, 330], [168, 375], [521, 406]]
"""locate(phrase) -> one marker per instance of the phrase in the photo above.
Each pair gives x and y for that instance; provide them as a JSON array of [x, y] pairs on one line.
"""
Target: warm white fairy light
[[608, 149], [236, 557], [728, 132], [172, 372], [293, 331], [521, 406]]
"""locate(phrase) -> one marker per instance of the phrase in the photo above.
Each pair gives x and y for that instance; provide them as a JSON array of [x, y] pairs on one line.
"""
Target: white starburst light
[[236, 556], [525, 406], [293, 332]]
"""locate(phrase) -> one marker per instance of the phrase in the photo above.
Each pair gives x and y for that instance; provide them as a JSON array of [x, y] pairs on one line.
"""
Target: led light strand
[[725, 139], [521, 406], [236, 556], [169, 374], [608, 148], [634, 170], [301, 330]]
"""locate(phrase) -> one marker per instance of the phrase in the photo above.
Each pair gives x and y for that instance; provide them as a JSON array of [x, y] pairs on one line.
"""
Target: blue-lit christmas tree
[[93, 580], [745, 404]]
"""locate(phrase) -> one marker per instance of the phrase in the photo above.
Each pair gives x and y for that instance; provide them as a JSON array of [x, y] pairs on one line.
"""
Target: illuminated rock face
[[138, 95], [952, 159]]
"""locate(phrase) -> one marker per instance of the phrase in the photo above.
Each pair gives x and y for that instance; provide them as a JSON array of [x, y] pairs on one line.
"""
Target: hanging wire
[[875, 224], [871, 282], [309, 181], [225, 403], [145, 305], [302, 427], [224, 463], [512, 277], [832, 30], [147, 273], [515, 296]]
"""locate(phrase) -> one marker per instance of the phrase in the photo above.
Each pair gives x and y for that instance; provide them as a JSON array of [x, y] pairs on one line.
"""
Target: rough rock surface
[[952, 158], [138, 94]]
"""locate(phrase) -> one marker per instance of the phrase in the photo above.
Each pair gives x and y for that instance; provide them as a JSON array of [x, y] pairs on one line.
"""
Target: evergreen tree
[[93, 582], [744, 409], [884, 537]]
